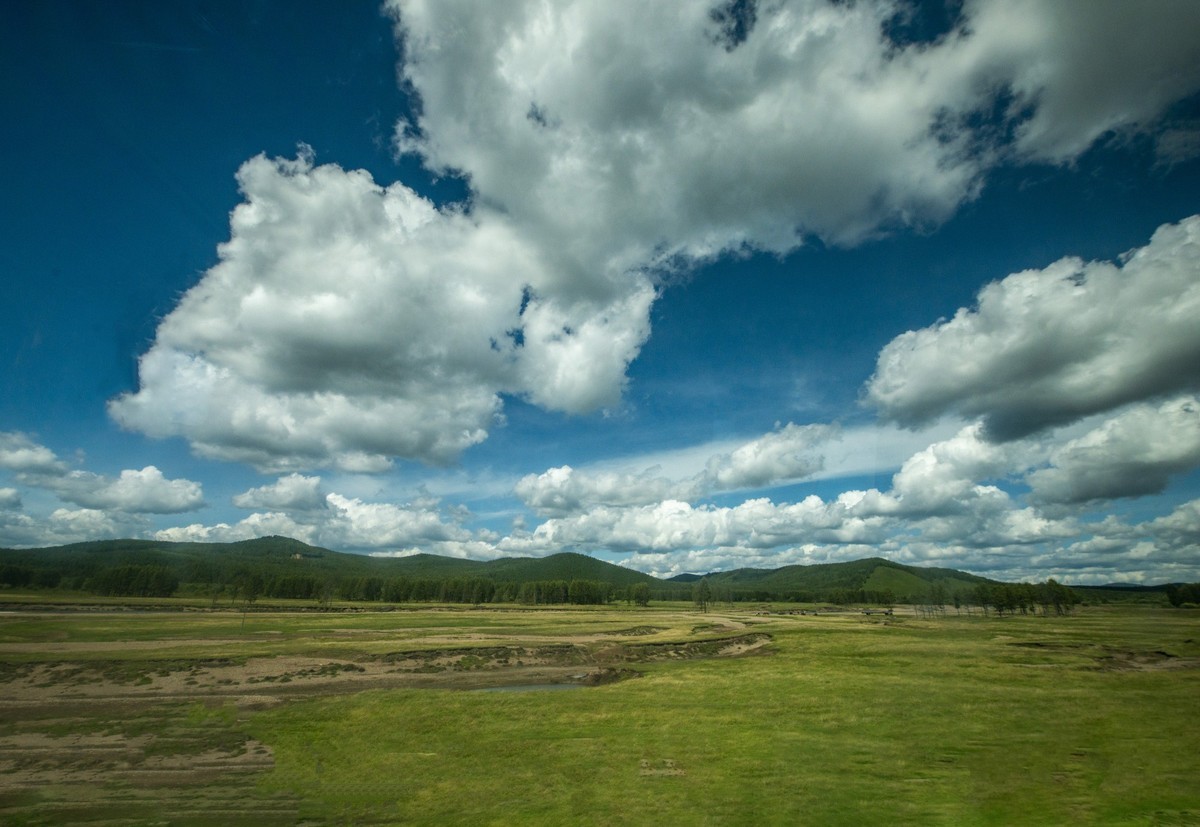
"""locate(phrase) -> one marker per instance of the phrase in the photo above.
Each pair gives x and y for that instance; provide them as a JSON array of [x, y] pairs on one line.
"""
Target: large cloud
[[371, 525], [1077, 70], [947, 478], [263, 524], [1161, 550], [349, 323], [1179, 530], [945, 506], [1048, 347], [673, 526], [639, 131], [950, 503], [629, 131], [1132, 454], [137, 492]]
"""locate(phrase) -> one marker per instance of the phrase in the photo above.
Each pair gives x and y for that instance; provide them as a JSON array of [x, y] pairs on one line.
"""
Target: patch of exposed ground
[[725, 647], [638, 631], [1113, 659], [665, 767], [147, 741], [1124, 660], [258, 680], [201, 769]]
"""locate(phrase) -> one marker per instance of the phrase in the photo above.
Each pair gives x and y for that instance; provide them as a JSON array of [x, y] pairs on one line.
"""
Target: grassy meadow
[[840, 719]]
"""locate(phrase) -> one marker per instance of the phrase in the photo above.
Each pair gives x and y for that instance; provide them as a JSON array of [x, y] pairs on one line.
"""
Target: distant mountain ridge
[[870, 574], [284, 557]]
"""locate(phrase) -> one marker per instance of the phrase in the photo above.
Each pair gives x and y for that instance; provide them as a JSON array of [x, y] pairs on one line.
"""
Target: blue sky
[[688, 286]]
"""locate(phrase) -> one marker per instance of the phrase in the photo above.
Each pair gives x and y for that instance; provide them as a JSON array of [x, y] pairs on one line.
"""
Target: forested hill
[[280, 567], [874, 576], [277, 557]]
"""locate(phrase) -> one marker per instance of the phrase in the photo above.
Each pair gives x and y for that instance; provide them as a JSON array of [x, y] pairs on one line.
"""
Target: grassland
[[729, 717]]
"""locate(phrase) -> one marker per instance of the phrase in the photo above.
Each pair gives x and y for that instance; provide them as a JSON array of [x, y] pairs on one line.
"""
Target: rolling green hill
[[564, 566], [283, 567], [873, 574], [207, 563]]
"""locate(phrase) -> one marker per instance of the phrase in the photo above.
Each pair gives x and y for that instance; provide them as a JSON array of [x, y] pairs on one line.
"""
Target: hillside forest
[[280, 568]]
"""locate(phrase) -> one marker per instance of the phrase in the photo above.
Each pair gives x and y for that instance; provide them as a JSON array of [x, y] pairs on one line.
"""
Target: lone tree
[[701, 594], [639, 593]]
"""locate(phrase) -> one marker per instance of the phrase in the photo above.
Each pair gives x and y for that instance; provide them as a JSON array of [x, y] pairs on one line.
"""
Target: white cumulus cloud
[[294, 492], [1082, 69], [145, 491], [1047, 347], [634, 132], [565, 490], [1179, 530], [1132, 454], [350, 322], [18, 452], [67, 525], [337, 522], [787, 454], [136, 492], [265, 524]]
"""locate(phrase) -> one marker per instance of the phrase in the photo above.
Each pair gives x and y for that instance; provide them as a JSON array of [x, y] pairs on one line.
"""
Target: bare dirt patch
[[1113, 659], [1125, 660], [638, 631], [147, 760], [127, 740], [724, 647], [257, 680], [662, 768]]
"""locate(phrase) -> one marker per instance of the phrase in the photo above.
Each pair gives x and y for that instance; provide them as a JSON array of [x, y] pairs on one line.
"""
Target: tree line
[[1001, 598], [248, 583], [129, 580], [249, 586]]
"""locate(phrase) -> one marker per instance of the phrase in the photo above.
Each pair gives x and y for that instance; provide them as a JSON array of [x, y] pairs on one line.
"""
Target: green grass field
[[1087, 719]]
